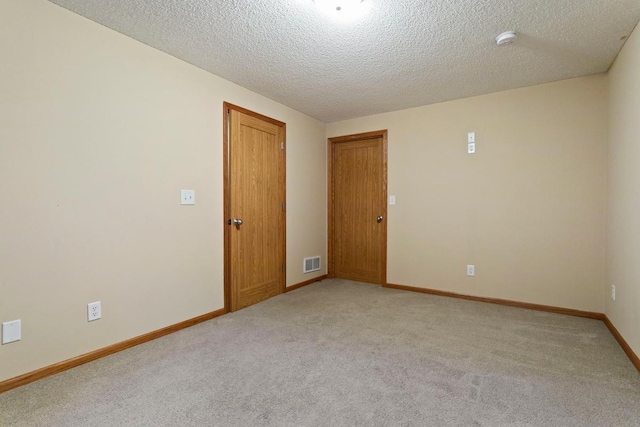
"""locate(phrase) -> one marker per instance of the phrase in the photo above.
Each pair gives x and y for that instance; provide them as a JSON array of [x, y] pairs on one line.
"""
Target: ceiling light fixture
[[342, 7], [507, 37]]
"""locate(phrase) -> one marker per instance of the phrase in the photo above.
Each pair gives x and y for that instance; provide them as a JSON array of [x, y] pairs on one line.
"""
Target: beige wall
[[623, 193], [98, 134], [528, 209]]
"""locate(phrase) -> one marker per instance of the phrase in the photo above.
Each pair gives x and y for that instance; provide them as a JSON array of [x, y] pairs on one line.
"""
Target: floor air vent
[[311, 264]]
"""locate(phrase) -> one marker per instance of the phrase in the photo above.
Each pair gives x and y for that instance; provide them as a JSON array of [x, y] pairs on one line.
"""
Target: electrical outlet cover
[[471, 270], [471, 148], [188, 197], [94, 311]]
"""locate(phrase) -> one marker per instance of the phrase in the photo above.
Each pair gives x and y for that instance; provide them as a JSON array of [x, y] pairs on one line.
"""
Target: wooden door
[[255, 202], [357, 218]]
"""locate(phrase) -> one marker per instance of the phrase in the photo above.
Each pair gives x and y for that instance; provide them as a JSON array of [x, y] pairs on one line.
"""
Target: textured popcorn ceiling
[[398, 54]]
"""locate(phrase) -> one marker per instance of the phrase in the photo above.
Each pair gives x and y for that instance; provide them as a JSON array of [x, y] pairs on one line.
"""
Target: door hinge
[[282, 206], [283, 267], [282, 145]]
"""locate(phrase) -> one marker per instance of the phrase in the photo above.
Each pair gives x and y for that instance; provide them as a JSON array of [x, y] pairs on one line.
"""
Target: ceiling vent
[[311, 264]]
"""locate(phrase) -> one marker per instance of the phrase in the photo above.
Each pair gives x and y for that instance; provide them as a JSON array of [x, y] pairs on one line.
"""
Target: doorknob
[[237, 222], [380, 218]]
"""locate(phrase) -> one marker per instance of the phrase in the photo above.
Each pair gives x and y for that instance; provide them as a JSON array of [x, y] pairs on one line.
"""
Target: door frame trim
[[226, 107], [352, 138]]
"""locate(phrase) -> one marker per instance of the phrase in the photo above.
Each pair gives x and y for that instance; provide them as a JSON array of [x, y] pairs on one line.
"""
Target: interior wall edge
[[73, 362], [500, 301], [305, 283], [623, 343]]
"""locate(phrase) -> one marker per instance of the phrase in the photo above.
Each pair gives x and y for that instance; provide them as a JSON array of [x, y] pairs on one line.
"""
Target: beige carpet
[[340, 353]]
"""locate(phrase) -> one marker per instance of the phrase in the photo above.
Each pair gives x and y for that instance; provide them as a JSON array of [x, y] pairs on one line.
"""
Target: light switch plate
[[392, 200], [11, 331], [187, 197]]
